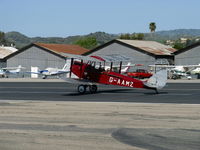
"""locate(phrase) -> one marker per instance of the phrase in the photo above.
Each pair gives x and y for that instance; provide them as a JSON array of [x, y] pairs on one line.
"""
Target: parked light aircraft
[[178, 72], [4, 72], [51, 72], [196, 71], [89, 76], [193, 69]]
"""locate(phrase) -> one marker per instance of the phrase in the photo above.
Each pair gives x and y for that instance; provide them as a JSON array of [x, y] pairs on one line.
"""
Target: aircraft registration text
[[121, 82]]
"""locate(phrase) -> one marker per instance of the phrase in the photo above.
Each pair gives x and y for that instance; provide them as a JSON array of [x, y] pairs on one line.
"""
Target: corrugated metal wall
[[189, 57], [137, 57], [36, 57], [2, 64]]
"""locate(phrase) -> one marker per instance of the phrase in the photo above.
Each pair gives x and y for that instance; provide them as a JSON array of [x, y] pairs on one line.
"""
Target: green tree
[[152, 27], [140, 36], [137, 36], [134, 36], [126, 36], [87, 42], [178, 45], [190, 42], [2, 38]]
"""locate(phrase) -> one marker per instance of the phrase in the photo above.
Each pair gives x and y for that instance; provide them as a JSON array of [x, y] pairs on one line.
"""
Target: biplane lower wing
[[77, 81]]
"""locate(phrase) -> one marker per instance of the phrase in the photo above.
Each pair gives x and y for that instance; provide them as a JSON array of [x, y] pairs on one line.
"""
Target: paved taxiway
[[61, 91], [51, 115]]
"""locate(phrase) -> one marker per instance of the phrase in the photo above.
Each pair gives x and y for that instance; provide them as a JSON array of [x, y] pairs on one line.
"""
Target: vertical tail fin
[[125, 70], [158, 80], [65, 67], [19, 68]]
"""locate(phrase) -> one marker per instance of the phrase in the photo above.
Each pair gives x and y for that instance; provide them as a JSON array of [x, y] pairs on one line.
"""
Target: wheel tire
[[93, 88], [81, 89]]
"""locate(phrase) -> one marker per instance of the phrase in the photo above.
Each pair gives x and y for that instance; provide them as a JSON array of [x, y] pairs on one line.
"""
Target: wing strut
[[81, 69], [72, 62], [120, 66], [111, 66]]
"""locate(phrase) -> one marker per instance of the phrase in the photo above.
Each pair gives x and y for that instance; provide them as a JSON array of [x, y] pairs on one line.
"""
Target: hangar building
[[5, 51], [188, 56], [141, 52], [43, 55]]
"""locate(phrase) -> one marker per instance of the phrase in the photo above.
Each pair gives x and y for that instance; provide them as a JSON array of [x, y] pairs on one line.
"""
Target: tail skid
[[157, 81]]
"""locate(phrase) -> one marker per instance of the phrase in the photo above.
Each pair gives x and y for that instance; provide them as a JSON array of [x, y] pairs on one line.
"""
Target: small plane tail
[[65, 67], [125, 70], [19, 68], [158, 80]]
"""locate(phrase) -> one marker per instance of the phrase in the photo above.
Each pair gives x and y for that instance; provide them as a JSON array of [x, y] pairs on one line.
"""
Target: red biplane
[[91, 71]]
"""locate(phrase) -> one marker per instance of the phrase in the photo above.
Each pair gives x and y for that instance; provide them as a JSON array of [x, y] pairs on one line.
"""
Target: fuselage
[[99, 75]]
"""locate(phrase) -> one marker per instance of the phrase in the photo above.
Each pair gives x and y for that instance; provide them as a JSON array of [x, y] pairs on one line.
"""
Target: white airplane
[[51, 72], [177, 72], [4, 72], [196, 70]]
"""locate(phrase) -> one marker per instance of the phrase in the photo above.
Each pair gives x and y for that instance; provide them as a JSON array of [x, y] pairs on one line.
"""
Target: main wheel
[[44, 77], [93, 88], [81, 89]]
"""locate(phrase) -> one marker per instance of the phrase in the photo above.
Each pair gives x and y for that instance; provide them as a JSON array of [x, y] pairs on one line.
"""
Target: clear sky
[[64, 18]]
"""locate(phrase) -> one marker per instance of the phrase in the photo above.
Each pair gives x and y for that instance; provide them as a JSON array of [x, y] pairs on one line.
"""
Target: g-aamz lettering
[[121, 82]]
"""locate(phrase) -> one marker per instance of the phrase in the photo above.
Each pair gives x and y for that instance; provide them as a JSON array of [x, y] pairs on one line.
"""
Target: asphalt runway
[[52, 115], [186, 93]]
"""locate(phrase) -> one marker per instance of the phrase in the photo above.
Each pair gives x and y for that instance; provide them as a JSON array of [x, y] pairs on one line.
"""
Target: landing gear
[[93, 88], [44, 77], [82, 88], [156, 91]]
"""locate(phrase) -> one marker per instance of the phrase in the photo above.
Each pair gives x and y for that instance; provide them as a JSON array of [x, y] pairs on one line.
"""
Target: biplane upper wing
[[114, 58], [100, 58], [80, 57]]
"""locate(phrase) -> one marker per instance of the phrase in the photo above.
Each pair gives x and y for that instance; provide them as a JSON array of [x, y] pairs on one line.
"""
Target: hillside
[[21, 40], [173, 34]]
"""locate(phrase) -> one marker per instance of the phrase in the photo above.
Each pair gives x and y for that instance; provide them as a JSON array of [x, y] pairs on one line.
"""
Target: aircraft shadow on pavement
[[114, 91], [101, 91], [154, 93]]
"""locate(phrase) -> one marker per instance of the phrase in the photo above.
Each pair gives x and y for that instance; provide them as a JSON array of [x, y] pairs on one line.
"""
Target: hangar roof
[[149, 47], [6, 51], [63, 48]]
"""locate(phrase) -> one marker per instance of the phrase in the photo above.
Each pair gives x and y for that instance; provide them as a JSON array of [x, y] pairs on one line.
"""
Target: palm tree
[[152, 26]]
